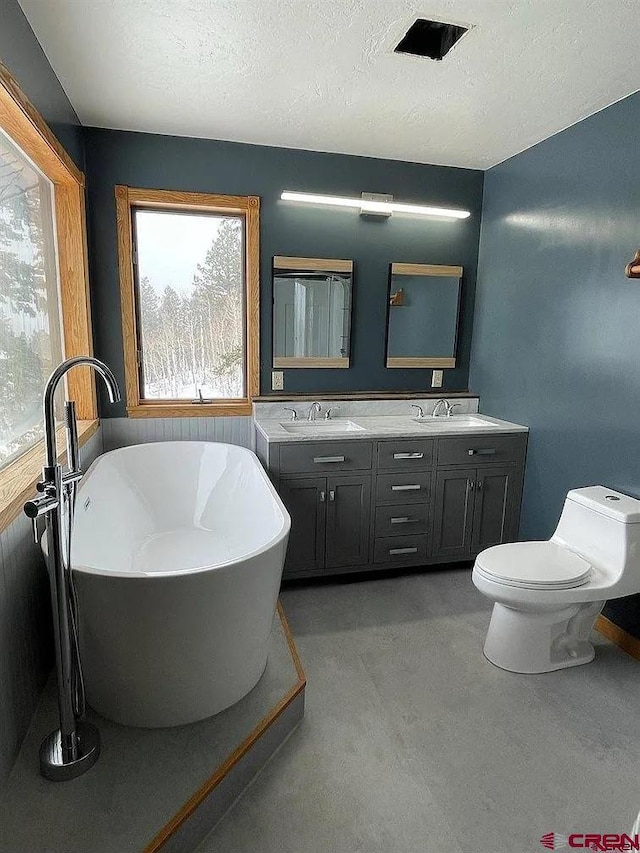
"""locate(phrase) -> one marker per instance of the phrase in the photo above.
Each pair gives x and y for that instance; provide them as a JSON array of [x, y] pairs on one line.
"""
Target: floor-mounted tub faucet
[[75, 746]]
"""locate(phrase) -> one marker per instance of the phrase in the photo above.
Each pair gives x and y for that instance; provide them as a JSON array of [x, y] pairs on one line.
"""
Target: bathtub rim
[[227, 564]]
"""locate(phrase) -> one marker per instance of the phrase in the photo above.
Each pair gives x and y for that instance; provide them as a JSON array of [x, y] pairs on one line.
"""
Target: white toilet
[[548, 594]]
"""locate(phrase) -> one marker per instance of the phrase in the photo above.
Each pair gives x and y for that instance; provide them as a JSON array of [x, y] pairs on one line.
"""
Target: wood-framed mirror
[[311, 312], [423, 311]]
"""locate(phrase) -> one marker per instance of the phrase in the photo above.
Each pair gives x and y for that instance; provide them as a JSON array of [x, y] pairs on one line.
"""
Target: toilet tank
[[603, 526]]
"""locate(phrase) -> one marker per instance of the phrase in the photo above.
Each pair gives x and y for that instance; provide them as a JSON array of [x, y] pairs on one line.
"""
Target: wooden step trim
[[625, 641], [208, 787]]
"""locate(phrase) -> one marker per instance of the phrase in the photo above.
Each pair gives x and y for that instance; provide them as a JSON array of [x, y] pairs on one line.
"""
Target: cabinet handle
[[471, 485], [404, 519], [479, 485], [414, 487], [408, 455], [322, 497], [483, 451], [323, 459], [395, 551], [332, 494]]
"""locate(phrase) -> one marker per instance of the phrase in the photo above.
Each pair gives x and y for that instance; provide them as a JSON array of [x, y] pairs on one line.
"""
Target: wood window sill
[[18, 480], [163, 409]]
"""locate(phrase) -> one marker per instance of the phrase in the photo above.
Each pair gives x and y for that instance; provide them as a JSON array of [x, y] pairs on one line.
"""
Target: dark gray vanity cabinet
[[305, 500], [498, 491], [453, 518], [474, 509], [360, 505], [347, 531], [330, 514]]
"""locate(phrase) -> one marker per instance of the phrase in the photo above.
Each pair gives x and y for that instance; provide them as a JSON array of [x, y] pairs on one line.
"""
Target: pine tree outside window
[[189, 287], [30, 345]]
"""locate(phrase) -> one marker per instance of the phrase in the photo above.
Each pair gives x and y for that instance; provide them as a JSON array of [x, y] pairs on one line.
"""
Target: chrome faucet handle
[[419, 408], [328, 415], [452, 406], [294, 414]]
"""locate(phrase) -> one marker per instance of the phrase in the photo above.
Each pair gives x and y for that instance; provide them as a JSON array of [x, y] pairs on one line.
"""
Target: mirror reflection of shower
[[312, 312]]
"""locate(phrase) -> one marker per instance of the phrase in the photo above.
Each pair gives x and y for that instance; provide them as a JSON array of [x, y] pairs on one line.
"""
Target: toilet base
[[530, 641]]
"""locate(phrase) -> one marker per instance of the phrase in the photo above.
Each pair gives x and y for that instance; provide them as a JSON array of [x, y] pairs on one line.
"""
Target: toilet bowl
[[548, 594]]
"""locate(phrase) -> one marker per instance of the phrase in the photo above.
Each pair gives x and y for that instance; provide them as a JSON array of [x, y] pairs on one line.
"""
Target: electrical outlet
[[277, 380], [436, 379]]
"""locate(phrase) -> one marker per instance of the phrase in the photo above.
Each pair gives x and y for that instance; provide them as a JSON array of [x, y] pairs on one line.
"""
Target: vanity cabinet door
[[306, 501], [453, 513], [348, 511], [496, 506]]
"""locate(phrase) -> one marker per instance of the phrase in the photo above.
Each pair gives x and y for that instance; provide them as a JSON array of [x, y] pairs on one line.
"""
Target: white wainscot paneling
[[121, 432]]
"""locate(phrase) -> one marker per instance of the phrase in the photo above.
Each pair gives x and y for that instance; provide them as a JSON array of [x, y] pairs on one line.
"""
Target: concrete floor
[[413, 742]]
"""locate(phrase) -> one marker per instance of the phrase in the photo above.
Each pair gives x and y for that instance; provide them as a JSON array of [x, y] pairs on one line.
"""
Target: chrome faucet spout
[[442, 404], [314, 411], [50, 391]]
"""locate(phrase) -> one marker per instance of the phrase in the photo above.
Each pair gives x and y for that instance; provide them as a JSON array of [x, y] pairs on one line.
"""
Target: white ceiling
[[321, 74]]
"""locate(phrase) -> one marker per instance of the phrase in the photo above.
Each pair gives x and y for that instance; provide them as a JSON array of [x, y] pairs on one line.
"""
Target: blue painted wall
[[165, 162], [21, 53], [556, 340]]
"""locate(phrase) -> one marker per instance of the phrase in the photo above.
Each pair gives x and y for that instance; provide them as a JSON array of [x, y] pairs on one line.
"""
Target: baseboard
[[625, 641]]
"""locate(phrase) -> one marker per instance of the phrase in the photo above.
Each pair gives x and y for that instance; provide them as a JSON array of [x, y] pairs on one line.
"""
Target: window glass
[[30, 345], [190, 283]]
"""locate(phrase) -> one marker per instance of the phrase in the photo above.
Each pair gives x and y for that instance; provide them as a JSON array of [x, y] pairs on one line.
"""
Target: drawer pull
[[414, 487], [487, 451], [332, 494], [323, 497], [321, 460], [404, 519], [408, 455], [395, 551]]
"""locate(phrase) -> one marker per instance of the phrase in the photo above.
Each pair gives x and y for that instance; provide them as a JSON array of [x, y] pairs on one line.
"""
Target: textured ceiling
[[321, 74]]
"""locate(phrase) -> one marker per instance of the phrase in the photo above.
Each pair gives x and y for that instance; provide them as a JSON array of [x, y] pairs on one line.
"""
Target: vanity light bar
[[374, 206]]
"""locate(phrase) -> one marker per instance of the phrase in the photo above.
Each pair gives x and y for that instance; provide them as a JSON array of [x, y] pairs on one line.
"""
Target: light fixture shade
[[380, 207]]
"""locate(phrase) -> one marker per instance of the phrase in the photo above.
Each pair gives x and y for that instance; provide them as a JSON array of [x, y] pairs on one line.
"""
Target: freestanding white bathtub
[[177, 556]]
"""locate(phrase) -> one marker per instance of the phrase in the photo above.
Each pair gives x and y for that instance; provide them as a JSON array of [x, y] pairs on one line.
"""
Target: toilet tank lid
[[620, 507]]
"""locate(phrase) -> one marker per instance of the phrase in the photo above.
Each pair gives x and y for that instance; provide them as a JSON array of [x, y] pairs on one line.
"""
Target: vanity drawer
[[325, 456], [403, 488], [400, 549], [479, 449], [406, 454], [402, 519]]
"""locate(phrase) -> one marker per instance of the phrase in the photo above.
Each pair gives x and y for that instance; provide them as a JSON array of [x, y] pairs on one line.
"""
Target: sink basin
[[454, 422], [337, 425]]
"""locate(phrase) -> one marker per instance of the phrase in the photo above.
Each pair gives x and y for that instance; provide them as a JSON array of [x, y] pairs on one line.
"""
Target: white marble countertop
[[274, 430]]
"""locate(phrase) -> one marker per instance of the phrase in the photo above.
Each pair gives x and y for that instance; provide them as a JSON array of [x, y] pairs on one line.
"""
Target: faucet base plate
[[52, 764]]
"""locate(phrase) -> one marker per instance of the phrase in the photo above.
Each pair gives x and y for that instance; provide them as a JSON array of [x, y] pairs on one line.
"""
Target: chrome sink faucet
[[74, 747], [314, 411], [419, 408], [446, 405]]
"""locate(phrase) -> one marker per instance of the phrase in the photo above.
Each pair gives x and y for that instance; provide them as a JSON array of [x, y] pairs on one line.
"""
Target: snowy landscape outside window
[[190, 277], [30, 341]]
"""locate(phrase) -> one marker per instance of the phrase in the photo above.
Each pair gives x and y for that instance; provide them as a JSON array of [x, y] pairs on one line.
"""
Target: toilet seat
[[533, 565]]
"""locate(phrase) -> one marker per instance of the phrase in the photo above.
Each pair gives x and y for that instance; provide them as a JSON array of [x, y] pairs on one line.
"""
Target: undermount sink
[[454, 422], [336, 425]]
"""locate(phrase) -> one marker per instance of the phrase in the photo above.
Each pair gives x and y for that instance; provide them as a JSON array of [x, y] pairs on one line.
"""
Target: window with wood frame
[[44, 303], [189, 279]]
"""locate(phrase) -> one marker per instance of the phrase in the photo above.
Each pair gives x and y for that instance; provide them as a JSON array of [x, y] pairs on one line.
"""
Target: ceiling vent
[[430, 38]]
